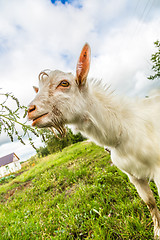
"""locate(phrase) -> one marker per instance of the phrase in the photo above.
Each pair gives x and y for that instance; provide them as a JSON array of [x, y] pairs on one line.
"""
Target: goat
[[130, 128]]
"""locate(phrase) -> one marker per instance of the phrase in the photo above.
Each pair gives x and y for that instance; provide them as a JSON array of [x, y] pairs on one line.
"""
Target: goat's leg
[[146, 194], [157, 180]]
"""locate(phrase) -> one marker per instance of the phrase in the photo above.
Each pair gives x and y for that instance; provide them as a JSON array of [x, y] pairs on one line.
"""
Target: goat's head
[[58, 100]]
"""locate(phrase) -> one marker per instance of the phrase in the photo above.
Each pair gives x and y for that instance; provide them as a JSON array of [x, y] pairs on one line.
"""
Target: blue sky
[[45, 34], [62, 1], [76, 3]]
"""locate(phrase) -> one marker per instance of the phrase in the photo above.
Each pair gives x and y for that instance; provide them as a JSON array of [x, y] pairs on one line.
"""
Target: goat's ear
[[83, 65], [36, 89]]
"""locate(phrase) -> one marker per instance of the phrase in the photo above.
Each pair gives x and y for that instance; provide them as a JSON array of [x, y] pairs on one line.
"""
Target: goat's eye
[[64, 83]]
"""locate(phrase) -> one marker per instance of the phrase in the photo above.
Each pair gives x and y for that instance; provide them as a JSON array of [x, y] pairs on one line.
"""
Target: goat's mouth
[[52, 125], [38, 119]]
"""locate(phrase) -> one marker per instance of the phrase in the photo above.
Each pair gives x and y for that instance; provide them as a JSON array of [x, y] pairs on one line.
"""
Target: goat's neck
[[104, 120]]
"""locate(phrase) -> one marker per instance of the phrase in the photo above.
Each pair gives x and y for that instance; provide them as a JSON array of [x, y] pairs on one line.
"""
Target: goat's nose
[[31, 109]]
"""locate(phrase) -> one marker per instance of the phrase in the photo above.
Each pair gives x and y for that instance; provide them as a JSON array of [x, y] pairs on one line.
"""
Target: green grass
[[74, 194]]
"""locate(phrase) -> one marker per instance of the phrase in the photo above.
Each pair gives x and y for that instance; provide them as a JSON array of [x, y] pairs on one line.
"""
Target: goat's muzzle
[[34, 115]]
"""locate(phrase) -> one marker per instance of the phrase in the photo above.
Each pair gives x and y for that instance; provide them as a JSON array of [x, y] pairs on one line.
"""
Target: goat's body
[[130, 128], [139, 155]]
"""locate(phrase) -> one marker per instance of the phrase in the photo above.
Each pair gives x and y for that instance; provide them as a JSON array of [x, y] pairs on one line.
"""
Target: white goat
[[131, 129]]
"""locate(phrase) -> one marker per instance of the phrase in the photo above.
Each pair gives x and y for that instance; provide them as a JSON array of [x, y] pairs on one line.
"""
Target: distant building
[[8, 164]]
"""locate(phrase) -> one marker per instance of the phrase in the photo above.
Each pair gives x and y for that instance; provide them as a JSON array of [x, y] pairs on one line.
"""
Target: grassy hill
[[74, 194]]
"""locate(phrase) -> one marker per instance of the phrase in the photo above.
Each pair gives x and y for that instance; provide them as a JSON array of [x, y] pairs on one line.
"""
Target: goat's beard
[[59, 126], [61, 130]]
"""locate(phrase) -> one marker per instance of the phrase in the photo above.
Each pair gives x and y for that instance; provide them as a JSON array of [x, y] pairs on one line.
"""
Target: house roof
[[7, 159]]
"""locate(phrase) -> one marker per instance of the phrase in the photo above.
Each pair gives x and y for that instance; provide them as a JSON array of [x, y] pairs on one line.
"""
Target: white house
[[8, 164]]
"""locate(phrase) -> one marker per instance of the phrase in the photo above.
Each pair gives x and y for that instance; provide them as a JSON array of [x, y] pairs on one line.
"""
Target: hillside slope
[[74, 194]]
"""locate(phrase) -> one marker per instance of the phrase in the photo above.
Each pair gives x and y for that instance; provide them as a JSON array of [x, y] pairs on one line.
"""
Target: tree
[[53, 144], [10, 123], [155, 58]]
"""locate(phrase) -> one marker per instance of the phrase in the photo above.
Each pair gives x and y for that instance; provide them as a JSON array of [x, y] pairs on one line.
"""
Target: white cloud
[[124, 54], [24, 152], [35, 35]]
